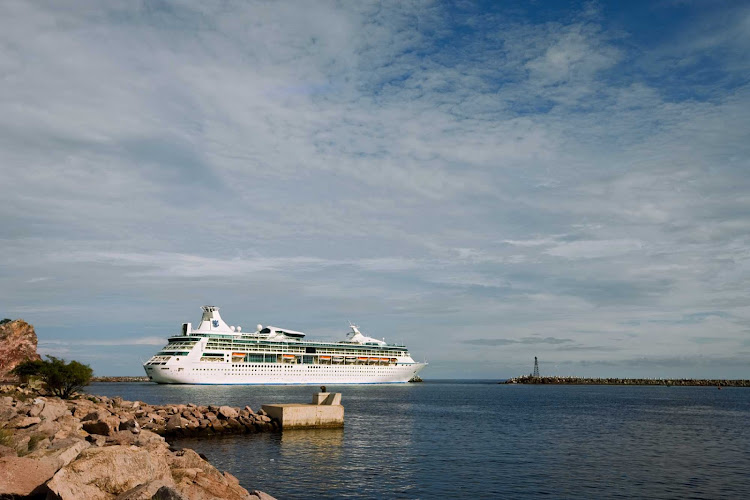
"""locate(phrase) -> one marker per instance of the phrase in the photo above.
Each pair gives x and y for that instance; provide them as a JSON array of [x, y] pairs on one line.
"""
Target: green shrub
[[59, 378], [27, 369], [6, 320]]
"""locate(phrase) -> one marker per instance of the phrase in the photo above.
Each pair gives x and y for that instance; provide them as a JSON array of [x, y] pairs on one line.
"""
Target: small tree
[[60, 378], [6, 320], [28, 369]]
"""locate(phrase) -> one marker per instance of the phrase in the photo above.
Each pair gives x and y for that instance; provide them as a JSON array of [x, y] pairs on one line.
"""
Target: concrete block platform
[[325, 411]]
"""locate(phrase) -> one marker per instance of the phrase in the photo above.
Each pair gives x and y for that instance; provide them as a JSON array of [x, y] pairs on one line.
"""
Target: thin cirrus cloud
[[438, 172]]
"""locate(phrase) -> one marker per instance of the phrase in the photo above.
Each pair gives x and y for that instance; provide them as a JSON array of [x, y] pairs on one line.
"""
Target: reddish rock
[[23, 476], [123, 467], [6, 451], [17, 344]]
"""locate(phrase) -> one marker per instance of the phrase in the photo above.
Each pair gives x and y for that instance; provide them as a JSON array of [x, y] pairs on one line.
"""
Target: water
[[484, 440]]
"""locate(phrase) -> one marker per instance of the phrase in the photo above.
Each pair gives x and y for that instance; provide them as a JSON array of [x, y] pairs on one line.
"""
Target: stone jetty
[[108, 448], [627, 381]]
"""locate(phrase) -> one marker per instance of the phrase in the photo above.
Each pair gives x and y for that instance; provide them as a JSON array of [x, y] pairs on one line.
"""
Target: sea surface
[[479, 439]]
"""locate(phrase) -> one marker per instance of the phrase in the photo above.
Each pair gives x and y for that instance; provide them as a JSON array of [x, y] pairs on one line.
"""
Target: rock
[[100, 473], [23, 476], [130, 425], [6, 413], [149, 490], [261, 495], [49, 428], [168, 493], [174, 422], [54, 409], [25, 422], [262, 412], [228, 412], [145, 491], [105, 427], [149, 439], [36, 408], [60, 453], [126, 438], [211, 416], [42, 444], [97, 414], [7, 451], [20, 442], [97, 440], [264, 418], [249, 410], [196, 479], [17, 344]]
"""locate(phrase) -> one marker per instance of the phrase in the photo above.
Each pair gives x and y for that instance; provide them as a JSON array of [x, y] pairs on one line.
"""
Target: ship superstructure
[[216, 353]]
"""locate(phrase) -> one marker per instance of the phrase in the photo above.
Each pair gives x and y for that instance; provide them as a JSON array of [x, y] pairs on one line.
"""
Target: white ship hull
[[283, 374]]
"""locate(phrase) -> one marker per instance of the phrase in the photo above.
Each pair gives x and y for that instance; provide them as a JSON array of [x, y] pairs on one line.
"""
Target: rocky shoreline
[[627, 381], [96, 447]]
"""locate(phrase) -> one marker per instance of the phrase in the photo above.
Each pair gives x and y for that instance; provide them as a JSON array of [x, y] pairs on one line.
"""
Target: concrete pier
[[325, 411]]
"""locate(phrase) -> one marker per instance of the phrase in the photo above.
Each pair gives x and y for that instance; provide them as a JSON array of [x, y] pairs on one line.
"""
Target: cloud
[[53, 343], [430, 170], [525, 340]]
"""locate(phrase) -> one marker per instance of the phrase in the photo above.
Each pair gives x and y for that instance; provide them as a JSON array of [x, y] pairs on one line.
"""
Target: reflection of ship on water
[[321, 450]]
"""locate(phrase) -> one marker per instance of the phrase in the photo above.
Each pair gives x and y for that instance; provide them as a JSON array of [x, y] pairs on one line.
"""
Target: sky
[[483, 181]]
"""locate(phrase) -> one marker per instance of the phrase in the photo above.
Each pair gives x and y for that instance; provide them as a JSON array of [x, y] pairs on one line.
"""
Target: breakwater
[[527, 379], [99, 447]]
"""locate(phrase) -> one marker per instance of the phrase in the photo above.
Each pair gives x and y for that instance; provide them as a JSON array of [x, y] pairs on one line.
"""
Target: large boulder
[[17, 344], [61, 452], [197, 479], [100, 473], [20, 476]]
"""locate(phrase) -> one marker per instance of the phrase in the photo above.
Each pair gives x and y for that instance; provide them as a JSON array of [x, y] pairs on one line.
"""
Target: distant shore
[[527, 379]]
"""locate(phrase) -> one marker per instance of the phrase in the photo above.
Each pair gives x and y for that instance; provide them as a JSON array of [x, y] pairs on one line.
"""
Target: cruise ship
[[216, 353]]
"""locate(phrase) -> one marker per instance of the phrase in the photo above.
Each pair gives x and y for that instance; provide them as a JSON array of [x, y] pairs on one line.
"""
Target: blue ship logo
[[215, 323]]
